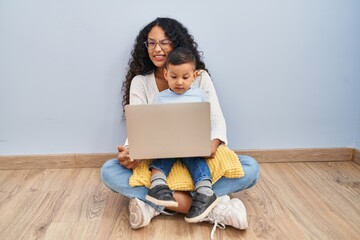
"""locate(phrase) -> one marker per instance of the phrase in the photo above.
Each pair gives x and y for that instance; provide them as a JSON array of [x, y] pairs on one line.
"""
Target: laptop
[[170, 130]]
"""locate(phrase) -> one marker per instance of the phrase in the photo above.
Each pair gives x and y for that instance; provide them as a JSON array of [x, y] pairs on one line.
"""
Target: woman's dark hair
[[140, 63], [180, 55]]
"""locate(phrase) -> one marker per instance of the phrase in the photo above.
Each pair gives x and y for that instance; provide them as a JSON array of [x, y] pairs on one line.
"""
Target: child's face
[[180, 77]]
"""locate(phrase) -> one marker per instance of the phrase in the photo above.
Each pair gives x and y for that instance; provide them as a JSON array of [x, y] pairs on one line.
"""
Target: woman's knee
[[251, 169], [115, 176], [106, 168], [231, 185]]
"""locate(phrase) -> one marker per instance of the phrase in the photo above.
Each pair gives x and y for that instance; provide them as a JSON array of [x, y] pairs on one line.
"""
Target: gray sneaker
[[140, 213], [201, 207], [161, 195]]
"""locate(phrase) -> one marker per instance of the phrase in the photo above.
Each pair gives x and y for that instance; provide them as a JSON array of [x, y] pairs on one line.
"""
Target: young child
[[180, 72]]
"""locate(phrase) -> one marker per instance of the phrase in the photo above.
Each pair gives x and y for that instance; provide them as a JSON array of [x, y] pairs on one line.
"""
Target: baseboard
[[95, 160], [55, 161], [300, 155], [356, 156]]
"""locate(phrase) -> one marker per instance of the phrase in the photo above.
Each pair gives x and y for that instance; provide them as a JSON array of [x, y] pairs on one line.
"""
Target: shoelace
[[216, 224], [211, 218]]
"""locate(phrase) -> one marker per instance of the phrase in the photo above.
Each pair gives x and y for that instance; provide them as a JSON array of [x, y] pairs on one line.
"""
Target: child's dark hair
[[179, 56]]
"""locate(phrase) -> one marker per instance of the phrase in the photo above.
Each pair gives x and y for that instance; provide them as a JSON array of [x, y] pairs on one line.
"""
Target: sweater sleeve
[[137, 94], [218, 124], [138, 89]]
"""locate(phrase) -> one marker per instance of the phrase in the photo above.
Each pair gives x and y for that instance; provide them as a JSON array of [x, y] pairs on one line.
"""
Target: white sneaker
[[228, 212], [140, 213], [240, 220]]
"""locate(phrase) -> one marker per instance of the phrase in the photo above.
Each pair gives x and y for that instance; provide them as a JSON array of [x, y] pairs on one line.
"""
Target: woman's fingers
[[123, 156], [125, 159]]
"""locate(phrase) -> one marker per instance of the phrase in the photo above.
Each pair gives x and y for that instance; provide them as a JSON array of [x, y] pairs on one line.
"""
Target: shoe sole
[[161, 203], [204, 214], [244, 224], [134, 209]]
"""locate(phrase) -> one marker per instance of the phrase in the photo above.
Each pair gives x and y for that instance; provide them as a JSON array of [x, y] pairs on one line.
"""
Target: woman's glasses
[[164, 44]]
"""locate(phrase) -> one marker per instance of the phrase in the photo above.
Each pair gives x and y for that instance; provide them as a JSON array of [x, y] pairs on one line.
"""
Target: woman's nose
[[158, 48]]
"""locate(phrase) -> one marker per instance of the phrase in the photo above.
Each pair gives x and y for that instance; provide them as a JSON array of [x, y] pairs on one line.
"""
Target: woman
[[144, 80]]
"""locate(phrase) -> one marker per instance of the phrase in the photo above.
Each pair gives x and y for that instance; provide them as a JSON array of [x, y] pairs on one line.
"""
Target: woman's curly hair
[[140, 63]]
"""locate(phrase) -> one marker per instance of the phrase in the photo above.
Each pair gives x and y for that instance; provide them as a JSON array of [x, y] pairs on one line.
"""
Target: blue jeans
[[116, 177], [197, 166]]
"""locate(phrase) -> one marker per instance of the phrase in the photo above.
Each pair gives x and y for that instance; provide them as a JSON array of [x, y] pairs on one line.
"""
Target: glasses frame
[[161, 45]]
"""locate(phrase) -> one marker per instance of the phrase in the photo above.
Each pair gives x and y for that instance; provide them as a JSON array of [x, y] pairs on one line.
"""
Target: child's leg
[[204, 199], [160, 169], [204, 187], [200, 173], [159, 192]]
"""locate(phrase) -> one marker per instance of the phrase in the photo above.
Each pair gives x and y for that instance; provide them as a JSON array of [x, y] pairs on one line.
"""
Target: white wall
[[287, 72], [357, 141]]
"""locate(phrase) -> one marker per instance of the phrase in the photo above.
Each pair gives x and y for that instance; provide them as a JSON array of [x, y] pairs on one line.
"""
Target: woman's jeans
[[197, 167], [116, 177]]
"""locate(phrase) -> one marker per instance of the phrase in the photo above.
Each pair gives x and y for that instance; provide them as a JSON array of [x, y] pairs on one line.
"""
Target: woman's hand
[[215, 143], [125, 159]]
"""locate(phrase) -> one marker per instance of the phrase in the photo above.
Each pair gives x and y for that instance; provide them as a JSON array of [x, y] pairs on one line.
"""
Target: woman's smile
[[159, 57]]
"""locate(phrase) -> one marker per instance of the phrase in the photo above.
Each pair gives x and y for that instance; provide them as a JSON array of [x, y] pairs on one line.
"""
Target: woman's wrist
[[217, 142]]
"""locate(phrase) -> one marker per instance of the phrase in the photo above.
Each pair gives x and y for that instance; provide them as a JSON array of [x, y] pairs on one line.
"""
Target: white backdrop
[[287, 72]]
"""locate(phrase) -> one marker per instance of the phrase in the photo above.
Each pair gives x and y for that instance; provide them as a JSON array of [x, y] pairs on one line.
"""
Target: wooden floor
[[317, 200]]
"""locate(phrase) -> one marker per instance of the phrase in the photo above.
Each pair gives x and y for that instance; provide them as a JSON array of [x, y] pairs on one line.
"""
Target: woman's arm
[[138, 91], [218, 124], [215, 143], [137, 96]]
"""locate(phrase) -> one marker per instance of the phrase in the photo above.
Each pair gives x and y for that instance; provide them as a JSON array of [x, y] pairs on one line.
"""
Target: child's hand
[[215, 143]]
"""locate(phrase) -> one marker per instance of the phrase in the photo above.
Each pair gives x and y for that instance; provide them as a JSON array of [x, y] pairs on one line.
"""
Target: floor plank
[[302, 200]]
